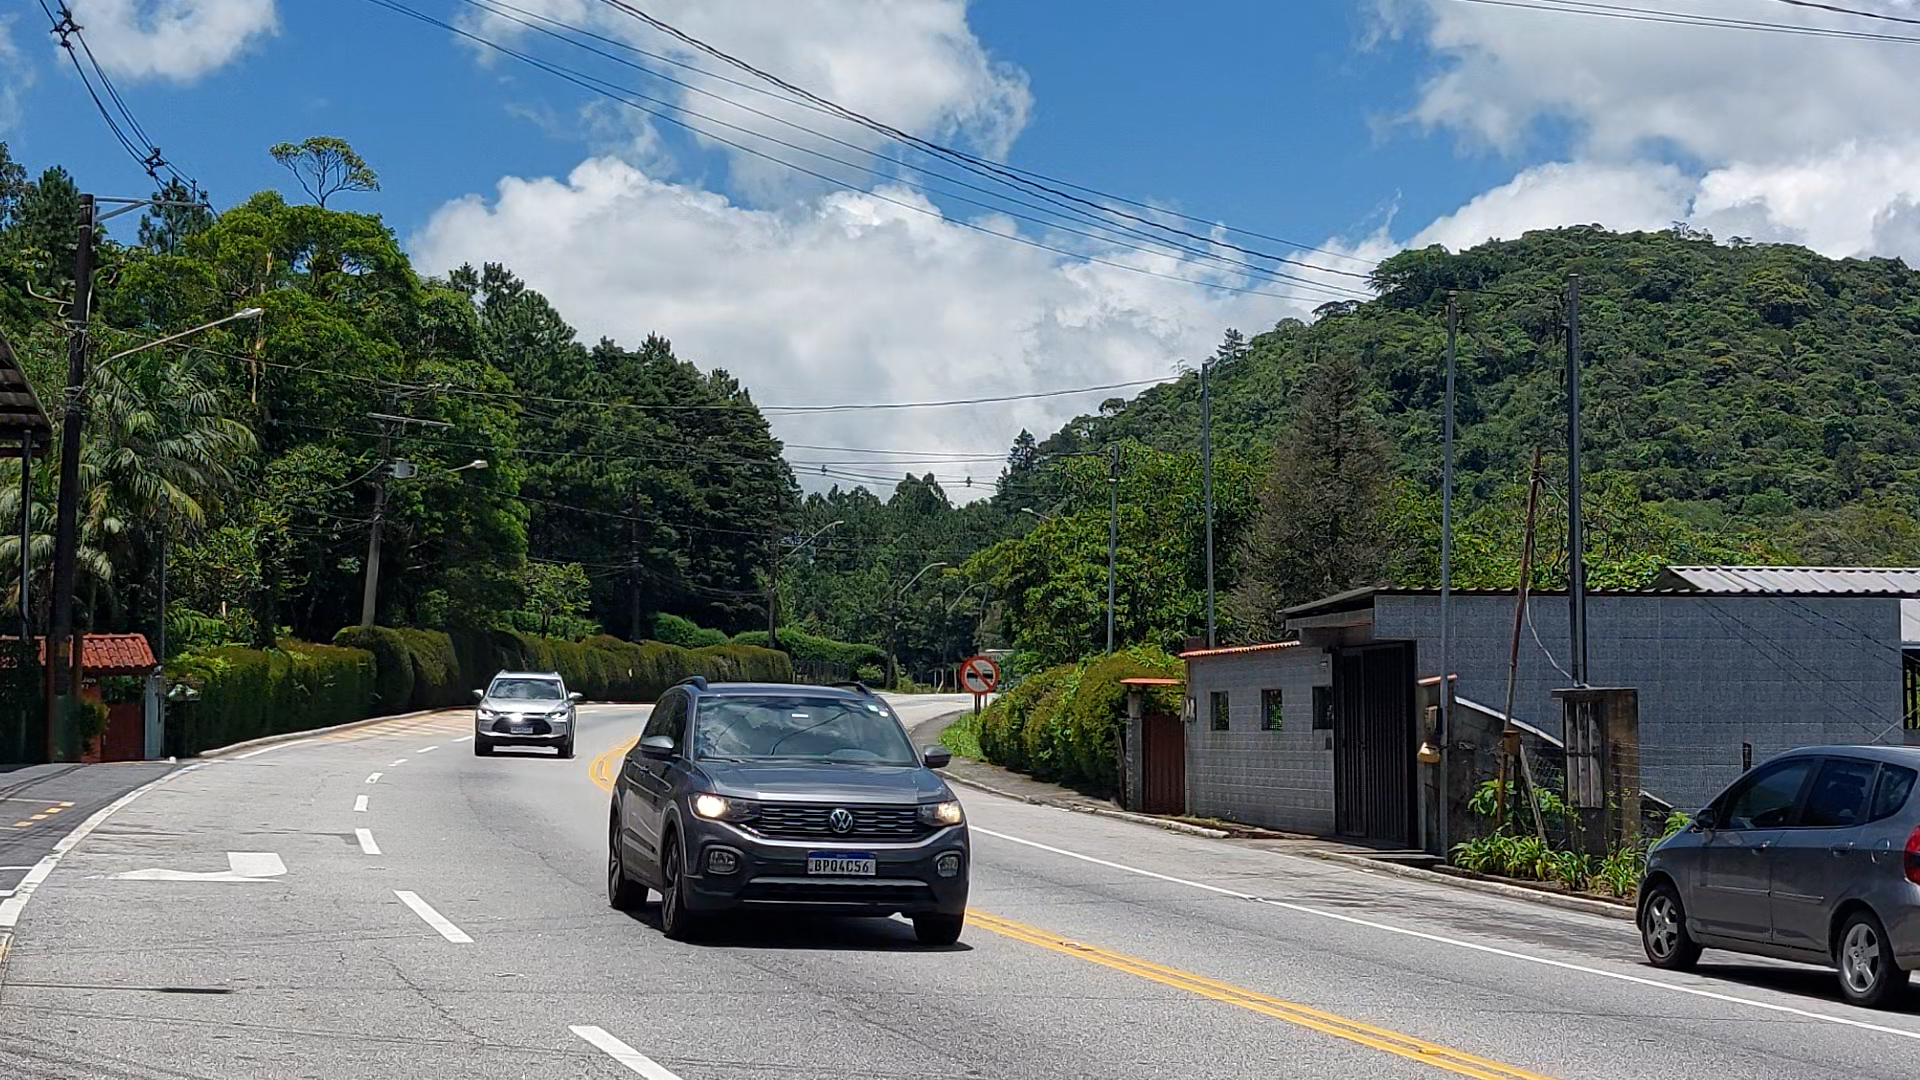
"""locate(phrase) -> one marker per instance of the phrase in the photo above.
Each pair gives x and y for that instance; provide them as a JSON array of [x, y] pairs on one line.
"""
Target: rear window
[[1890, 794]]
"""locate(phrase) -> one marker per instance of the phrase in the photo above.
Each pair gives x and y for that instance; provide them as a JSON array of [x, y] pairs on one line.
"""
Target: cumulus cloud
[[172, 39], [14, 75], [843, 298], [1622, 197], [915, 65]]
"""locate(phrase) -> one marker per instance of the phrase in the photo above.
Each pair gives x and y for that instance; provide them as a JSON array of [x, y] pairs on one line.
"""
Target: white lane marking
[[434, 919], [622, 1053], [463, 738], [396, 761], [365, 836], [424, 749], [268, 749], [360, 804], [1490, 950], [242, 866], [374, 778], [12, 906]]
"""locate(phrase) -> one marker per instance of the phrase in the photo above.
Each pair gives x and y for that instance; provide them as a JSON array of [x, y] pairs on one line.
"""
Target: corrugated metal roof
[[1795, 580], [1233, 650]]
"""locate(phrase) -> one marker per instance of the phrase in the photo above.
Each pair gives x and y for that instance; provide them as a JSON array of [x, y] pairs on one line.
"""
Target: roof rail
[[853, 684], [696, 681]]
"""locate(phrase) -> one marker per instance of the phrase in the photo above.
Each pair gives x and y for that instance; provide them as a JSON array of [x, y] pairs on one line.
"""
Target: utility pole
[[1446, 531], [1576, 531], [633, 568], [773, 590], [370, 589], [1113, 535], [66, 513], [1206, 485]]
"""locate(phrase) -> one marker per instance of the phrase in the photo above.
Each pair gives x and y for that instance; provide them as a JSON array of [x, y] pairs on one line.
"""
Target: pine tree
[[167, 225], [1319, 527]]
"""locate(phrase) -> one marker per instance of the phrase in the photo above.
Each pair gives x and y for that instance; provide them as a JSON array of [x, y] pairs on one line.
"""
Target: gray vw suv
[[742, 796], [524, 708], [1813, 856]]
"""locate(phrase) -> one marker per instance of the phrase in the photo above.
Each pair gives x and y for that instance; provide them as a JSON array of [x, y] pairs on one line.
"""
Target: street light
[[893, 625], [773, 581], [243, 313], [476, 463]]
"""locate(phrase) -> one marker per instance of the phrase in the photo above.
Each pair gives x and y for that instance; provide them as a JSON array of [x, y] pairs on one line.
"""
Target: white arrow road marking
[[435, 919], [365, 836], [244, 866], [622, 1053], [360, 805]]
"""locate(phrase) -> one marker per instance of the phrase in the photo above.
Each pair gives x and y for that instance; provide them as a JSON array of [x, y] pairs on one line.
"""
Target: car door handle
[[1760, 847], [1837, 850]]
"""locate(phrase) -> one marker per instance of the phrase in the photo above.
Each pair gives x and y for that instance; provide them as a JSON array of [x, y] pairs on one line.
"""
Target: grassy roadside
[[963, 737]]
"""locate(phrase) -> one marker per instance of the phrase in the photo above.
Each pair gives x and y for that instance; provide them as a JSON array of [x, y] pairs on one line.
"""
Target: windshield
[[524, 690], [811, 729]]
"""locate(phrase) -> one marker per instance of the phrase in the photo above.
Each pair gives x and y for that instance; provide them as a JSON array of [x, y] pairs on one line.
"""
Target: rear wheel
[[676, 921], [1663, 930], [1868, 974], [623, 893], [938, 930], [482, 747]]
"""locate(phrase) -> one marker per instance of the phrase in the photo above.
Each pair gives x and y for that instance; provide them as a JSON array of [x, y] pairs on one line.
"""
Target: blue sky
[[1360, 126]]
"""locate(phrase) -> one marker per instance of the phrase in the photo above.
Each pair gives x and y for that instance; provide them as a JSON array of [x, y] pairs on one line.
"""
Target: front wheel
[[566, 748], [676, 922], [938, 930], [1868, 974], [482, 748], [623, 893], [1663, 930]]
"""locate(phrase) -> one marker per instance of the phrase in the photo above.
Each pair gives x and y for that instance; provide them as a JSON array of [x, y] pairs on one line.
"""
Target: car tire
[[1663, 930], [566, 749], [937, 931], [1863, 954], [623, 893], [482, 747], [676, 922]]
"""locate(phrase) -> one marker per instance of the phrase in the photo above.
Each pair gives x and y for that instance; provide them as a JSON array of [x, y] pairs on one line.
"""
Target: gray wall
[[1280, 779], [1712, 671]]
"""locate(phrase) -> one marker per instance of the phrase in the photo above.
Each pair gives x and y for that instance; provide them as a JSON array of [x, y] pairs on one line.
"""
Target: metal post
[[1113, 535], [1576, 532], [1206, 484], [66, 514], [1446, 533], [26, 535]]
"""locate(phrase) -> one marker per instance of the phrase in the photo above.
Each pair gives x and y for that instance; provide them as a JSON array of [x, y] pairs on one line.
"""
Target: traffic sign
[[979, 675]]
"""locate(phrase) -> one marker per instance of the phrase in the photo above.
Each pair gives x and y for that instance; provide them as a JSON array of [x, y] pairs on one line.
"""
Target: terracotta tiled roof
[[110, 654], [1232, 650]]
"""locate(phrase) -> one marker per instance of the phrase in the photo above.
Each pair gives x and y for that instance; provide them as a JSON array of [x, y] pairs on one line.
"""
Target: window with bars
[[1272, 716], [1217, 710]]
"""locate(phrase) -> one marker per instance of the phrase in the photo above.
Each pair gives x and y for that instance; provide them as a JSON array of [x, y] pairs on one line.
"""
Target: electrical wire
[[1838, 10], [1678, 18], [616, 94], [126, 128]]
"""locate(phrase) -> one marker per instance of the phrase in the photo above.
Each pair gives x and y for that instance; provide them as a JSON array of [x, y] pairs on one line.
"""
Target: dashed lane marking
[[434, 919], [360, 804], [396, 762], [365, 836], [626, 1055], [375, 778], [427, 749]]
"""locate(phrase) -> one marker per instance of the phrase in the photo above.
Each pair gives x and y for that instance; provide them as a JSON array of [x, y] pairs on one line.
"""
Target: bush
[[251, 693], [393, 667], [1064, 723], [812, 648], [674, 630]]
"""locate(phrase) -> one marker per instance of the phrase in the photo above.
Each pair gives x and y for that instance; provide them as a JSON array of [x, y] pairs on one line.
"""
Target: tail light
[[1913, 857]]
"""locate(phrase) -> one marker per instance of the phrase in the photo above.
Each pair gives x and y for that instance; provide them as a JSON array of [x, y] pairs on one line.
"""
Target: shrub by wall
[[811, 647], [674, 630], [393, 667], [251, 693], [1064, 723]]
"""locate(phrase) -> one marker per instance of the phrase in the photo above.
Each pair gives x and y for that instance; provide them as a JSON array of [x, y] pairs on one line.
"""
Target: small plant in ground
[[1676, 821], [1571, 868], [1619, 873]]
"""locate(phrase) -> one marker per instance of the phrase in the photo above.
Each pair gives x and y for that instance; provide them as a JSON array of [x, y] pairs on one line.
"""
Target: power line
[[1680, 18], [126, 127], [616, 93], [1838, 10]]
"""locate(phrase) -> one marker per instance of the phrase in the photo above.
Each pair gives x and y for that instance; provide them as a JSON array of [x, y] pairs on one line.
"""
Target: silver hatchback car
[[1813, 856]]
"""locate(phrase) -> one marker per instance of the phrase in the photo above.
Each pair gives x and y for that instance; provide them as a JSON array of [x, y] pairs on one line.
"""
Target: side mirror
[[1704, 820], [658, 747], [936, 757], [576, 696], [479, 695]]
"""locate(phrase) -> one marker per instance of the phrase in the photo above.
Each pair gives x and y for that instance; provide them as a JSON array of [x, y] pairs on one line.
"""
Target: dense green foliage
[[675, 630], [1064, 723], [250, 693], [859, 661]]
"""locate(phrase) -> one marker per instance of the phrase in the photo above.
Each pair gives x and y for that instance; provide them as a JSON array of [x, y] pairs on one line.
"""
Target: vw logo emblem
[[841, 821]]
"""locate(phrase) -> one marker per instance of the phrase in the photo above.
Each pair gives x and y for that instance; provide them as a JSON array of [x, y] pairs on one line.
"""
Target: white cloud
[[1621, 197], [914, 64], [171, 39], [842, 298], [15, 75]]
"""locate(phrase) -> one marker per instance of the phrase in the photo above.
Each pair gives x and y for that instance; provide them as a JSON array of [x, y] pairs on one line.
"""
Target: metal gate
[[1165, 766], [1374, 743]]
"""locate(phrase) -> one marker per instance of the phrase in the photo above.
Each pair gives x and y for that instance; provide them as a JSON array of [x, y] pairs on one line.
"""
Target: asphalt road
[[456, 927]]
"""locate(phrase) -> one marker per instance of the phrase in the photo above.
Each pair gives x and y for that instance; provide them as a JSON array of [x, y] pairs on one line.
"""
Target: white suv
[[524, 708]]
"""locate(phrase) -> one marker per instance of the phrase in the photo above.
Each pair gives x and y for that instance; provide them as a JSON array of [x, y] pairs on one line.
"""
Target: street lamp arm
[[243, 313]]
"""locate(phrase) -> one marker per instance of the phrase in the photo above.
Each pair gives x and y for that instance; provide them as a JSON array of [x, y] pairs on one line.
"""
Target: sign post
[[978, 676]]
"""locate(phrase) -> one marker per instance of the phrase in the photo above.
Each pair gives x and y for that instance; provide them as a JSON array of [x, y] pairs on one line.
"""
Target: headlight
[[719, 808], [487, 714], [941, 813]]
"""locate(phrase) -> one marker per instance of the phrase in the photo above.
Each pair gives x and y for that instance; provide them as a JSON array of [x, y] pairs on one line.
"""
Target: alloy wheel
[[1860, 959], [1662, 926]]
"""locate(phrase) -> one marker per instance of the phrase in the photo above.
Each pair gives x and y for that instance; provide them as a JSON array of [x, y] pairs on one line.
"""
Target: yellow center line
[[601, 769], [1411, 1047]]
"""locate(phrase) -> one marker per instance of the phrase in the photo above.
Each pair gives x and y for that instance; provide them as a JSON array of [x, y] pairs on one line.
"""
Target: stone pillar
[[1133, 749]]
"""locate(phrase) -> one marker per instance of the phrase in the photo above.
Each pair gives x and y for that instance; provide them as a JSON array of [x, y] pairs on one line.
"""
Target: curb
[[1493, 888], [1099, 811], [289, 736]]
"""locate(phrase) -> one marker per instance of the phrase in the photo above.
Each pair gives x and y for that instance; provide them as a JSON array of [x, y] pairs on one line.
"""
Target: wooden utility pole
[[1509, 733], [67, 510]]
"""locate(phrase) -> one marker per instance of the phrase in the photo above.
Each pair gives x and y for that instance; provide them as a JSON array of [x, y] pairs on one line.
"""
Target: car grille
[[535, 726], [808, 821]]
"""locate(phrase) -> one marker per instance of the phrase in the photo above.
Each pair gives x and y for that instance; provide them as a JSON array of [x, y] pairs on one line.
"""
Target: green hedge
[[674, 630], [251, 693], [1064, 723], [811, 647]]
